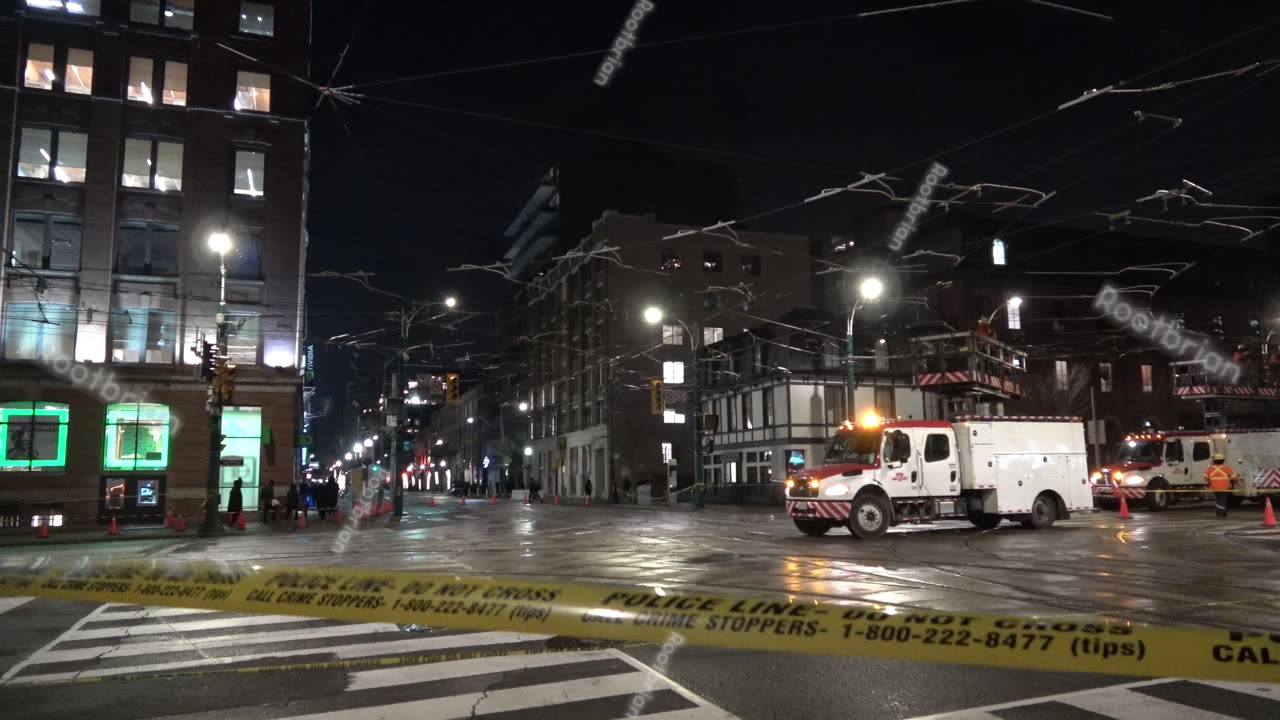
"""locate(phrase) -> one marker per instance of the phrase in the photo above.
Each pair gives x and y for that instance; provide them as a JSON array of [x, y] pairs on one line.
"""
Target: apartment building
[[138, 129]]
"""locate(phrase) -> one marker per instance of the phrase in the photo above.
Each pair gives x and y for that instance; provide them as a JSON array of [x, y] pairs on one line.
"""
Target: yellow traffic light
[[452, 387], [224, 379], [656, 402]]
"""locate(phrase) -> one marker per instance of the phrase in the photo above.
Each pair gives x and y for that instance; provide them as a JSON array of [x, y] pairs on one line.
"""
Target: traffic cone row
[[1124, 509], [1268, 515]]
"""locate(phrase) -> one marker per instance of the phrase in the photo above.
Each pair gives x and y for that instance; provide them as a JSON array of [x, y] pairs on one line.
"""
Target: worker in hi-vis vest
[[1221, 479]]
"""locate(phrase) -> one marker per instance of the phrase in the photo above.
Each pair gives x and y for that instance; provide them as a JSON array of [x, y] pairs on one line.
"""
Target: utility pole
[[220, 243], [394, 410], [696, 401]]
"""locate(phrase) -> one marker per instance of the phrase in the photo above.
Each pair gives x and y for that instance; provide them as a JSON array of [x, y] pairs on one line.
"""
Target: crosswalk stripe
[[59, 654], [9, 603], [388, 677], [182, 626], [1271, 692], [1122, 703]]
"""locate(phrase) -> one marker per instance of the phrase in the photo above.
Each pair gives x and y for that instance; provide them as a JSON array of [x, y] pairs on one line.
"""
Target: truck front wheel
[[869, 517], [814, 528]]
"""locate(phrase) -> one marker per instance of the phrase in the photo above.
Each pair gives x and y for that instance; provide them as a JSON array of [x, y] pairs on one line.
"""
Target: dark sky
[[423, 175]]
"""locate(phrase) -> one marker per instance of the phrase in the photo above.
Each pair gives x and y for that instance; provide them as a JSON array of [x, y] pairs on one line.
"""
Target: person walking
[[1221, 479], [586, 484], [291, 505], [266, 502], [235, 503], [331, 494]]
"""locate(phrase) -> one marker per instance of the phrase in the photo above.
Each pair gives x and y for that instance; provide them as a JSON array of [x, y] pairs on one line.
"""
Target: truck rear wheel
[[814, 528], [1157, 495], [869, 517], [985, 521], [1044, 510]]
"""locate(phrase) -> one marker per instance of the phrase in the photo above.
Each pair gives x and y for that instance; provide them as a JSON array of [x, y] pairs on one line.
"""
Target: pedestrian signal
[[656, 403]]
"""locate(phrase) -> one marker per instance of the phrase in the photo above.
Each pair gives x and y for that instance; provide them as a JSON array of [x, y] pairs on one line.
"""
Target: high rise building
[[136, 130]]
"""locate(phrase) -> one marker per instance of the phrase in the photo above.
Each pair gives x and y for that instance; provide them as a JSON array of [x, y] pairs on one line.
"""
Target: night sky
[[424, 175]]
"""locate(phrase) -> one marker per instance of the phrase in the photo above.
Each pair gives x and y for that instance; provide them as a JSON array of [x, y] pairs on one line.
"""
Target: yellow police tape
[[651, 614]]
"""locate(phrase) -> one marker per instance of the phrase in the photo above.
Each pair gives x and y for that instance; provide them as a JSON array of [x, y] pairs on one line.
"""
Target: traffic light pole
[[213, 497], [696, 402]]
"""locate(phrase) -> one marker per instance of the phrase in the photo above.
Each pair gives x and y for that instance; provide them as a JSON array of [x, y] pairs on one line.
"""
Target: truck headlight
[[1134, 480], [1095, 477], [836, 490], [790, 483], [814, 484], [1117, 476]]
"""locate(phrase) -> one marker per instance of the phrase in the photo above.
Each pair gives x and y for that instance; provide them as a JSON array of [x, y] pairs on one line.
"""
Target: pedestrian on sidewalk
[[586, 484], [535, 485], [235, 503], [267, 502], [1221, 479], [331, 495], [291, 506]]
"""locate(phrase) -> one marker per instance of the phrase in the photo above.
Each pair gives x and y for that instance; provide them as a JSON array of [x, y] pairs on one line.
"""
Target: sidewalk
[[24, 537]]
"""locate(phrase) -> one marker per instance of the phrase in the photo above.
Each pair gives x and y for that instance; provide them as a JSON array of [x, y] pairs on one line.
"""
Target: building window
[[672, 335], [245, 259], [997, 252], [1147, 385], [169, 13], [78, 78], [141, 79], [63, 150], [42, 241], [147, 248], [175, 83], [242, 428], [39, 74], [1104, 377], [766, 407], [33, 436], [253, 91], [71, 7], [154, 164], [39, 330], [748, 422], [751, 264], [881, 360], [243, 338], [712, 262], [257, 18], [249, 171], [670, 259], [712, 335], [143, 335], [666, 453], [1013, 312], [673, 372], [1060, 374], [833, 404], [137, 437], [671, 417], [731, 414]]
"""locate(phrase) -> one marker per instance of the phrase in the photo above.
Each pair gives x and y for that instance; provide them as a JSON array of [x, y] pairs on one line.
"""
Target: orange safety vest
[[1220, 477]]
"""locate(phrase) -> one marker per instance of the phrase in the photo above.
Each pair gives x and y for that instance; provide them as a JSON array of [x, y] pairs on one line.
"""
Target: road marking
[[9, 603]]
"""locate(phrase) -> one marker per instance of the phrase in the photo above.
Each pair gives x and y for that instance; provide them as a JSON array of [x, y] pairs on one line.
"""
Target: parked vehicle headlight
[[814, 484], [1117, 476], [791, 483], [1095, 477], [1134, 480], [836, 490]]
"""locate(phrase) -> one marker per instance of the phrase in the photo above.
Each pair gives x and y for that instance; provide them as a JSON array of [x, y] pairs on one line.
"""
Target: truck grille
[[802, 491]]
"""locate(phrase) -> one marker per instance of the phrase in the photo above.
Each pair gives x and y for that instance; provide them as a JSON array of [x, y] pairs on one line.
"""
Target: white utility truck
[[1159, 468], [980, 468]]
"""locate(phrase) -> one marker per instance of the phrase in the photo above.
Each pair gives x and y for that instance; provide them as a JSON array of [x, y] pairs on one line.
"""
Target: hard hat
[[1240, 347], [984, 321], [1219, 456]]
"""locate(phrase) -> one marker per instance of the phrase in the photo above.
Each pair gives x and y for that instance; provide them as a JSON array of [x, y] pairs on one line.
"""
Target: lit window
[[145, 11], [666, 452], [73, 155], [45, 241], [257, 18], [1104, 376], [147, 248], [1014, 312], [671, 417], [712, 262], [63, 150], [242, 428], [143, 335], [175, 83], [152, 164], [1060, 378], [39, 330], [79, 75], [179, 14], [71, 7], [243, 338], [33, 436], [712, 335], [673, 373], [1147, 385], [748, 417], [670, 259], [253, 91], [672, 335], [249, 171], [35, 152], [39, 73], [137, 437], [997, 252], [141, 71], [751, 264]]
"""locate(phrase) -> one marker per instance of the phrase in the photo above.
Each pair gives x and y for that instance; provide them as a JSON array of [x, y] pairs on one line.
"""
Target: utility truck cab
[[984, 469]]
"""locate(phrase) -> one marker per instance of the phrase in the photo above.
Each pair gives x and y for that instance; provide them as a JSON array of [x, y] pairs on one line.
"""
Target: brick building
[[138, 129]]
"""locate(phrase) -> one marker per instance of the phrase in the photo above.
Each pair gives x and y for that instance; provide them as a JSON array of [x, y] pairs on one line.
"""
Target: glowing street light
[[357, 448], [368, 442], [528, 451], [871, 288], [348, 456], [652, 315], [523, 407], [451, 302], [220, 243], [471, 421]]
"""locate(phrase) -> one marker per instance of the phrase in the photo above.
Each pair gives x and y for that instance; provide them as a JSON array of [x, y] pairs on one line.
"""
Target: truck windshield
[[1141, 451], [853, 446]]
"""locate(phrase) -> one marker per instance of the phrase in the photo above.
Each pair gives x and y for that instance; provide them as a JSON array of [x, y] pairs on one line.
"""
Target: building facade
[[138, 130]]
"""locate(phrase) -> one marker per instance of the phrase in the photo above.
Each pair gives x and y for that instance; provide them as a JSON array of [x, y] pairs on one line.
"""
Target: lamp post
[[653, 316], [868, 291], [220, 243]]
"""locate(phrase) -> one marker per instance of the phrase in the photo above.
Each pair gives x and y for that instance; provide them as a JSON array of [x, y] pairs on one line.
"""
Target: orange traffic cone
[[302, 518], [1124, 509], [201, 517], [42, 530], [337, 517], [431, 501], [179, 523], [240, 522], [557, 499], [1268, 515], [526, 498], [588, 501], [493, 500], [113, 529], [168, 519], [464, 500]]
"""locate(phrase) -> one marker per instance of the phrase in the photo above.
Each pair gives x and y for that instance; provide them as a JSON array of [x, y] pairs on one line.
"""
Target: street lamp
[[357, 448], [451, 302], [868, 291], [528, 451], [368, 442], [653, 315], [347, 456], [471, 421], [523, 407], [220, 243]]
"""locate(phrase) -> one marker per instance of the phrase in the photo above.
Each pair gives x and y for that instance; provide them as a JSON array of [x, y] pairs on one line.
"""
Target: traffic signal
[[452, 387], [656, 402], [208, 359], [224, 379]]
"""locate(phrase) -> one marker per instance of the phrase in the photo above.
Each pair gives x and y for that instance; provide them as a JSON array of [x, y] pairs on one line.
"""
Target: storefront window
[[241, 456], [137, 437], [33, 436]]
